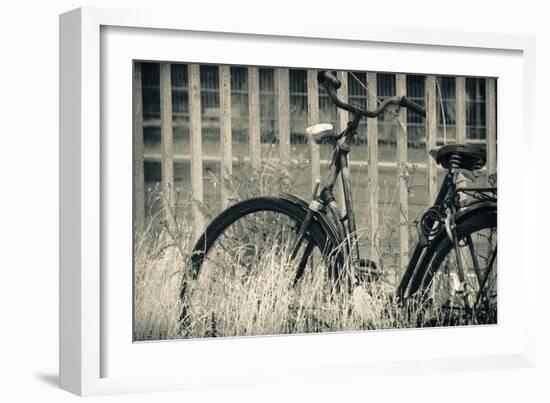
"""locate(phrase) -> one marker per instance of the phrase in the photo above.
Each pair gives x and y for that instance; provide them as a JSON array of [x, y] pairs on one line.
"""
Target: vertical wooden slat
[[313, 118], [342, 123], [254, 116], [225, 132], [194, 86], [283, 114], [491, 125], [461, 110], [343, 116], [461, 119], [372, 145], [401, 90], [431, 135], [138, 185], [167, 142]]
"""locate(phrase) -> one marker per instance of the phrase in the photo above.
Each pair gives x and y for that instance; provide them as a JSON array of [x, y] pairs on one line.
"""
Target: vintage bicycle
[[451, 272]]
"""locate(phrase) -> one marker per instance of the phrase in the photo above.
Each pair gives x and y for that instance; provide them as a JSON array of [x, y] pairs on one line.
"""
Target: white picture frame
[[88, 316]]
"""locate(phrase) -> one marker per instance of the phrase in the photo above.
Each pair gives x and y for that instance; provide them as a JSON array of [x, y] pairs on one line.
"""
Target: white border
[[121, 45], [81, 160]]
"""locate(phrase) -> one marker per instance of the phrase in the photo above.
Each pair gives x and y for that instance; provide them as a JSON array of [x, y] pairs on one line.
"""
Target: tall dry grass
[[265, 301]]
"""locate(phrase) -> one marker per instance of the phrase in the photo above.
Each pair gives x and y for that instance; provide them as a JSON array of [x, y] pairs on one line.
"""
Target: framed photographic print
[[330, 191]]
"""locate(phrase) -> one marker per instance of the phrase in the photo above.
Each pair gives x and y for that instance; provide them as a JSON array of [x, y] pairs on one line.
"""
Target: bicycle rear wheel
[[445, 299], [243, 280]]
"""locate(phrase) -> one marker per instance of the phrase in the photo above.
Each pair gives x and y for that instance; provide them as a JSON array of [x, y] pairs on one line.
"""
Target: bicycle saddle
[[461, 156], [321, 131]]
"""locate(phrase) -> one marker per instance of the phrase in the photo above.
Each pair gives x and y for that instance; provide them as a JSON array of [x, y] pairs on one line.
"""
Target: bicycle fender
[[473, 210], [319, 216]]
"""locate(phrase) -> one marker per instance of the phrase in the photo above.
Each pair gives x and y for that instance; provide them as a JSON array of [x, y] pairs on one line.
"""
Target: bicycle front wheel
[[449, 300], [244, 278]]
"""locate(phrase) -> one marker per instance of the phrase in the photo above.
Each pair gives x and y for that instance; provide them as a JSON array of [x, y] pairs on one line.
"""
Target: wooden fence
[[195, 156]]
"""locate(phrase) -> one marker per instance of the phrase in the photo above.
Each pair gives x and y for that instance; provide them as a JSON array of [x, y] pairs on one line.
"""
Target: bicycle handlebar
[[331, 84], [326, 76], [413, 106]]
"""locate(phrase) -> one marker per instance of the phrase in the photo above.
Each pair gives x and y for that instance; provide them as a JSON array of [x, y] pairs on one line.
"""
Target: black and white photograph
[[273, 200]]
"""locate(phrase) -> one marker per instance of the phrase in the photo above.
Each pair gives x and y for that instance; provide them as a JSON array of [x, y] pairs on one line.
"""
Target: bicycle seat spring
[[456, 160]]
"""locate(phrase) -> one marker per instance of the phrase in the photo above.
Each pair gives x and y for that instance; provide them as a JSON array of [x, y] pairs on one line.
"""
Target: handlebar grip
[[327, 77], [413, 106]]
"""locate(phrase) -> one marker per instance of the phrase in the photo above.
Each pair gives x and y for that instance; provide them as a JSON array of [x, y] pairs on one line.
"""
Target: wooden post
[[194, 86], [372, 173], [225, 132], [491, 126], [461, 110], [313, 118], [343, 118], [254, 116], [402, 176], [461, 120], [431, 136], [283, 114], [139, 179], [167, 144]]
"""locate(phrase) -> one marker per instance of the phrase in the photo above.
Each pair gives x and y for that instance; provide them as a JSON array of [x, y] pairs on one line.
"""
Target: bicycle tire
[[443, 251], [323, 240]]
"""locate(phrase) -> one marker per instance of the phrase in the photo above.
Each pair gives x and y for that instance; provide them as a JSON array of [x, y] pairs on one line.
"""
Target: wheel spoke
[[453, 297]]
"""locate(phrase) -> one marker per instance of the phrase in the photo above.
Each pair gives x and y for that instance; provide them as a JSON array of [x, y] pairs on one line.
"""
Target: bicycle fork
[[314, 207]]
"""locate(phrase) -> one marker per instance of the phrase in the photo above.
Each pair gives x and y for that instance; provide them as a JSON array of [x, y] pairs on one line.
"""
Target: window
[[446, 100], [475, 109], [416, 125], [239, 104], [267, 105], [298, 105]]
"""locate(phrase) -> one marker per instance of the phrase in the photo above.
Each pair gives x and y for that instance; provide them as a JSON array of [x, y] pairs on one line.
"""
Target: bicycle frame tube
[[350, 214], [340, 168]]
